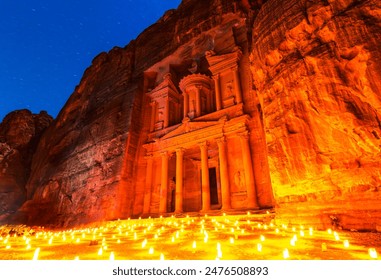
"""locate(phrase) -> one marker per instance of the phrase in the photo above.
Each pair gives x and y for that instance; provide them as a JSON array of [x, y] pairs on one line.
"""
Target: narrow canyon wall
[[317, 69]]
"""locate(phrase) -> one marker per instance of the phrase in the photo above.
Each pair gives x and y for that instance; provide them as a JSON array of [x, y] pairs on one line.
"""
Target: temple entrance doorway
[[213, 187]]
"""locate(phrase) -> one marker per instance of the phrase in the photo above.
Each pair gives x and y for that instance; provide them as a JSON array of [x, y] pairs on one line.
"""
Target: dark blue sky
[[46, 45]]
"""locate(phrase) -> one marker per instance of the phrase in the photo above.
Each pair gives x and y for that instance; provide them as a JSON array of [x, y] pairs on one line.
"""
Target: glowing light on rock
[[329, 231], [231, 239], [76, 258], [36, 253], [372, 253], [194, 245], [100, 252], [311, 231], [262, 238], [112, 256], [151, 251], [162, 257], [346, 244]]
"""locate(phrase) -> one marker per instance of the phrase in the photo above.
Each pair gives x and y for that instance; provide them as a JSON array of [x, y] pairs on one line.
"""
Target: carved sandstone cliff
[[310, 76]]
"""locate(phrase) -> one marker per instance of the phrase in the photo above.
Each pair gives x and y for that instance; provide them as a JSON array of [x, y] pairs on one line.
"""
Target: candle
[[219, 251], [372, 253], [36, 253], [286, 254], [259, 247], [324, 247]]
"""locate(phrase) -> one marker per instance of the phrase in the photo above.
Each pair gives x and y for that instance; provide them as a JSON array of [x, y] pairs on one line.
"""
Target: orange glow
[[183, 238]]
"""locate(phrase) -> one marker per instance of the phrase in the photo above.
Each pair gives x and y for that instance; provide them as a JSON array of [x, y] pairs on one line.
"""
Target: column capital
[[203, 144], [180, 151], [244, 135], [221, 140], [216, 76], [234, 68], [165, 154], [148, 156]]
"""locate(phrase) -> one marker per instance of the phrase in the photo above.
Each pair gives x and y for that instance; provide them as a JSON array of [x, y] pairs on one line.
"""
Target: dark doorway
[[213, 186]]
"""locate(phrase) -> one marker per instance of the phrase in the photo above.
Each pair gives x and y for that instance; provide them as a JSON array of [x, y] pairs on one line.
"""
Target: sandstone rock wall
[[317, 68], [20, 132]]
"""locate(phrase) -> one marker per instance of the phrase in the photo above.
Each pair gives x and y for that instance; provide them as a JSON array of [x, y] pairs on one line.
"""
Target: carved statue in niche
[[239, 180], [229, 89]]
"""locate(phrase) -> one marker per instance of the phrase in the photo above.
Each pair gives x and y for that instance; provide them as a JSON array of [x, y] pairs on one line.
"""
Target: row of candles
[[170, 230]]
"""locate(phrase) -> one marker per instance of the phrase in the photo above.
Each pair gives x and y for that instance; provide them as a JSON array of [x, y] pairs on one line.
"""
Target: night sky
[[45, 45]]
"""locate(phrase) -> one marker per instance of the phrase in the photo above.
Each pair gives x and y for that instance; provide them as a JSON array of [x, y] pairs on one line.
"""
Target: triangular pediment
[[188, 127]]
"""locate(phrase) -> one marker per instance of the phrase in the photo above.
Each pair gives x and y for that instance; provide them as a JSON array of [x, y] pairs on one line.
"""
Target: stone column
[[198, 101], [164, 183], [153, 116], [179, 180], [186, 104], [205, 188], [249, 175], [217, 87], [237, 85], [224, 176], [148, 186]]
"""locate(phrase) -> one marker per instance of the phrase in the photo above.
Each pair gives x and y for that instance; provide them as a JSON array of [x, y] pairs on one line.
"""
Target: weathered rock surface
[[317, 67], [312, 87], [20, 132]]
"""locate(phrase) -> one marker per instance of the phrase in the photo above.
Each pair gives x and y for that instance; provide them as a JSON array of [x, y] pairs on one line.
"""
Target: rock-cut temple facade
[[197, 152]]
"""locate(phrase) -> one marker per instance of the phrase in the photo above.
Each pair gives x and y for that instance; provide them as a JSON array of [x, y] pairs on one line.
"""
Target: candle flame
[[259, 247], [286, 254], [372, 253], [36, 253]]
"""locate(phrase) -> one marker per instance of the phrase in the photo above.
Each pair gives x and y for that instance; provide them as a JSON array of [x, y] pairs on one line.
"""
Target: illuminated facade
[[198, 156]]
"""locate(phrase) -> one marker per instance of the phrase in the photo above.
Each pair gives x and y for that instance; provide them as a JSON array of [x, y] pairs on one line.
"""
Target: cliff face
[[316, 66], [20, 132], [311, 85], [84, 168]]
